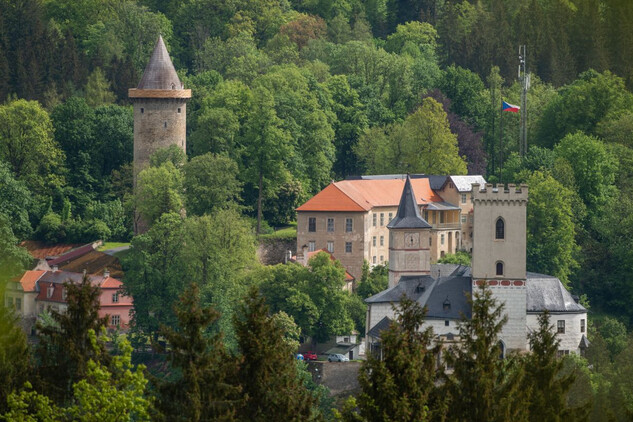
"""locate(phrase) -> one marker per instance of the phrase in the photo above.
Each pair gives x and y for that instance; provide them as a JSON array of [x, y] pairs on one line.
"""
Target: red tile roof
[[40, 250], [29, 279], [363, 195], [72, 255]]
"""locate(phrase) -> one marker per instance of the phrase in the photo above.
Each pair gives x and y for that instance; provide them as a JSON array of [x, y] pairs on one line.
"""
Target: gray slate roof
[[545, 292], [448, 283], [408, 215], [382, 325], [441, 206], [454, 282], [159, 72]]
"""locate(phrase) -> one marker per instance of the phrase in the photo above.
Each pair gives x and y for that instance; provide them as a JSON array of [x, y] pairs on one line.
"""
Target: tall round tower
[[160, 108]]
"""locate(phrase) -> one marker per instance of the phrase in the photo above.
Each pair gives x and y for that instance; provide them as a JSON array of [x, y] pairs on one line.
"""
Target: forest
[[296, 93]]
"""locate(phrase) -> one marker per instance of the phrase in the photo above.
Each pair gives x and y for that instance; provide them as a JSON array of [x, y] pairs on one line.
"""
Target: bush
[[51, 229]]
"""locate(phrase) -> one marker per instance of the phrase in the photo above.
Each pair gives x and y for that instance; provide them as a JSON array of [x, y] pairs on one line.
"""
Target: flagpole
[[500, 139]]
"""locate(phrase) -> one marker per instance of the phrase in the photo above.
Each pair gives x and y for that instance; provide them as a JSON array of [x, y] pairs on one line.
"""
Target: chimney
[[106, 273], [55, 268], [304, 249], [288, 256]]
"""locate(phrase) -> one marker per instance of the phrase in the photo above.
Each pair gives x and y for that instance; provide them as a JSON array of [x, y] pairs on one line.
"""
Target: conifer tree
[[545, 379], [15, 355], [401, 385], [66, 347], [268, 371], [484, 387], [206, 388]]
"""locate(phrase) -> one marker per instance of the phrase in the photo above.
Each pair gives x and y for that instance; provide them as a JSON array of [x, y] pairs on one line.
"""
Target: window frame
[[349, 225], [311, 224], [373, 241], [583, 325], [497, 272], [311, 245], [330, 228], [464, 198], [374, 219], [330, 246], [382, 240], [382, 219], [560, 326], [500, 229], [116, 318], [115, 297], [348, 247]]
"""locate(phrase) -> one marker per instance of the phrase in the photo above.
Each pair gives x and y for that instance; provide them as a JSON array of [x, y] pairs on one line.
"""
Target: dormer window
[[446, 305], [49, 291], [500, 229]]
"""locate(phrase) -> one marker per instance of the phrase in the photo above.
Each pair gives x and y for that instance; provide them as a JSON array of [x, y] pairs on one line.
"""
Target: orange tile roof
[[363, 195], [29, 279], [111, 283], [332, 198]]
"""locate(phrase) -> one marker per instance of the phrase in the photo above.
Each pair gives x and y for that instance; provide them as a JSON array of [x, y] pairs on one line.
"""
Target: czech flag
[[510, 107]]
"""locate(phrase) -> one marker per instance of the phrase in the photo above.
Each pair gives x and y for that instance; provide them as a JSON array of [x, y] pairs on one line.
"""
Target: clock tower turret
[[409, 235]]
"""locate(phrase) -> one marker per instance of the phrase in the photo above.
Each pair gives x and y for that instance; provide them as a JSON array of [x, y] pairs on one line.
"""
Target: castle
[[160, 112], [498, 260]]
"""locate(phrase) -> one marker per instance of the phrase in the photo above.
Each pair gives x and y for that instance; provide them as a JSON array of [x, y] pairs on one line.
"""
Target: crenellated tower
[[409, 239], [499, 243]]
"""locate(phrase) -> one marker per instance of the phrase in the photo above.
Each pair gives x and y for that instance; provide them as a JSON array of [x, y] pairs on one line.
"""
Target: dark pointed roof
[[408, 216], [160, 72]]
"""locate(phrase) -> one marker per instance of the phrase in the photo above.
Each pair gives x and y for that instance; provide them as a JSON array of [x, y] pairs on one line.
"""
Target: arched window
[[499, 268], [500, 229], [502, 349]]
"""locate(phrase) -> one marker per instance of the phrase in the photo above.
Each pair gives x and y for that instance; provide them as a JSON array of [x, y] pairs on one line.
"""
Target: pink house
[[39, 290]]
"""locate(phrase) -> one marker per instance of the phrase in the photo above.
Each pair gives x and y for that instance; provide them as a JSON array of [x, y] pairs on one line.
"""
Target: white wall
[[571, 339]]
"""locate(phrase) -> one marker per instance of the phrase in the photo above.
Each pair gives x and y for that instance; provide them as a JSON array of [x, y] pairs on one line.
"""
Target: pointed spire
[[160, 72], [408, 216]]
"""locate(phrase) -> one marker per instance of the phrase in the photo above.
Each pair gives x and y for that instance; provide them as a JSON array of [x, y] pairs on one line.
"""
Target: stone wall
[[273, 251], [339, 377]]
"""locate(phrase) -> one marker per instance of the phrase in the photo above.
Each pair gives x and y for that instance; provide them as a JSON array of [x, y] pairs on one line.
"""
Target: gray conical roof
[[160, 72], [408, 216]]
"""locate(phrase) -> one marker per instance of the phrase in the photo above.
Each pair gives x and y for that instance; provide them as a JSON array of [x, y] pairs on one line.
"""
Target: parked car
[[310, 356], [337, 358]]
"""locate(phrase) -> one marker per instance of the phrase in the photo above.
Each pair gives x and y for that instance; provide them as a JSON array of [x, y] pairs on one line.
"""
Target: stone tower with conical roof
[[160, 108], [409, 239]]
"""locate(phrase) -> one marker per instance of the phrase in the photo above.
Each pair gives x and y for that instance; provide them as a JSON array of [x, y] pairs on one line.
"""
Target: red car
[[310, 356]]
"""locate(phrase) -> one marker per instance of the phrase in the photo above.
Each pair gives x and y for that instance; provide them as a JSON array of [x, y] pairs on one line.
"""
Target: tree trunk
[[259, 202]]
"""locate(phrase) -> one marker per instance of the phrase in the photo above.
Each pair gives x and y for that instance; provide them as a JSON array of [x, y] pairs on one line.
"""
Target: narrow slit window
[[500, 229], [499, 268]]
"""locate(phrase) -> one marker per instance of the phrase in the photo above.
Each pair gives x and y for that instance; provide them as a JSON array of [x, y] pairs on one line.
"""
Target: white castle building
[[498, 260]]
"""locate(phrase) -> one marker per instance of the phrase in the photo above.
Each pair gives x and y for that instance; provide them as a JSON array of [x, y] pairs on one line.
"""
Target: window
[[430, 241], [499, 268], [9, 301], [442, 217], [142, 110], [382, 259], [330, 246], [373, 259], [115, 297], [115, 320], [464, 219], [49, 291], [178, 109], [390, 217], [348, 247], [560, 326], [441, 239], [349, 225], [374, 220], [382, 240], [18, 304], [373, 241], [582, 325], [561, 353], [382, 219], [311, 246], [447, 323], [330, 224], [312, 224], [500, 229], [463, 198], [165, 124], [345, 339]]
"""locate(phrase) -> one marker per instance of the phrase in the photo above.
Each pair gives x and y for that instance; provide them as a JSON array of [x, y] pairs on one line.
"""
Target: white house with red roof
[[40, 290]]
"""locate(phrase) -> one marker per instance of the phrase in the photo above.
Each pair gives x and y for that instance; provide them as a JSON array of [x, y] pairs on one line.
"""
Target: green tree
[[65, 349], [274, 392], [15, 355], [13, 258], [27, 145], [484, 387], [159, 191], [422, 144], [97, 90], [205, 387], [372, 281], [155, 274], [266, 148], [460, 257], [545, 380], [551, 243], [401, 385], [210, 183], [15, 202]]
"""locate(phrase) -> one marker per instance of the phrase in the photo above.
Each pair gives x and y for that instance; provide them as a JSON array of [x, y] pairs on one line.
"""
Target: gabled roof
[[332, 198], [382, 325], [364, 194], [72, 255], [29, 280], [41, 250], [408, 215], [547, 293], [159, 72]]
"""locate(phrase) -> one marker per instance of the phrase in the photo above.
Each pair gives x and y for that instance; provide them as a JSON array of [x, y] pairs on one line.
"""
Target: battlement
[[511, 193]]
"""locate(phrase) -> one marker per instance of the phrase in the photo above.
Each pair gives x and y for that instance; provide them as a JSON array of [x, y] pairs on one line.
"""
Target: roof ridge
[[351, 199]]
